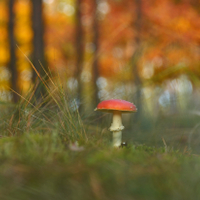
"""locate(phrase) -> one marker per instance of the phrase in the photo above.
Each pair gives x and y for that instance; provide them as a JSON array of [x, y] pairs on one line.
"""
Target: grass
[[48, 152], [35, 166]]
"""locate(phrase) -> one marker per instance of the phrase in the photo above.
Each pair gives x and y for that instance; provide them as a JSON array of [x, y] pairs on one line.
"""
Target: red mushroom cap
[[116, 104]]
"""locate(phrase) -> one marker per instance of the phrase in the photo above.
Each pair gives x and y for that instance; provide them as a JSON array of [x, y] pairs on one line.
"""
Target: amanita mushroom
[[117, 107]]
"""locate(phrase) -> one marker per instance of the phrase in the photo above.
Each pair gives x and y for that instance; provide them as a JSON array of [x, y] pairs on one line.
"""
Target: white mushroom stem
[[116, 128]]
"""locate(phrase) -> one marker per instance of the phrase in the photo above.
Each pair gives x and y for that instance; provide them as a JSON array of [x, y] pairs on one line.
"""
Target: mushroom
[[116, 107]]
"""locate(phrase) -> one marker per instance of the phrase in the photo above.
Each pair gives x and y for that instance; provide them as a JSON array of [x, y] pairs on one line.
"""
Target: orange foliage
[[170, 34]]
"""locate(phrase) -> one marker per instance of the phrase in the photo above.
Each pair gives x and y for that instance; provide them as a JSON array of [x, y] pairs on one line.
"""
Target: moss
[[37, 166]]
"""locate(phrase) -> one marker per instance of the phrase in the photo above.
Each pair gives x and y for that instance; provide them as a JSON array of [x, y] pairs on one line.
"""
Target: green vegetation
[[35, 166], [47, 152]]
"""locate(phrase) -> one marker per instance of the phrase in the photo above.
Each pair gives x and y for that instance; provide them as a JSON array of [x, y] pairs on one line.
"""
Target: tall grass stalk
[[55, 111]]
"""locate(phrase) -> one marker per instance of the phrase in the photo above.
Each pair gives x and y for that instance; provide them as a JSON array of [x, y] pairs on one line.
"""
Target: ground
[[35, 166]]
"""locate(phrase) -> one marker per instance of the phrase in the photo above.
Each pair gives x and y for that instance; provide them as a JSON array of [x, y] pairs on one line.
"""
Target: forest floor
[[48, 152], [42, 166]]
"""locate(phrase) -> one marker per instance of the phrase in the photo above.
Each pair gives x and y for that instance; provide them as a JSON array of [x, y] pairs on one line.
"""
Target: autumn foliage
[[169, 39]]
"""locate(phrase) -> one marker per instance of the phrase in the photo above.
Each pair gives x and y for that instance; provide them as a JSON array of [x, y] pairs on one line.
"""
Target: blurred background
[[146, 52]]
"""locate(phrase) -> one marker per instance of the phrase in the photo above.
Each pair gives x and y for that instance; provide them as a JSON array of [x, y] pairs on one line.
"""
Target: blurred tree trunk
[[95, 66], [79, 50], [12, 64], [136, 55], [195, 4], [38, 43]]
